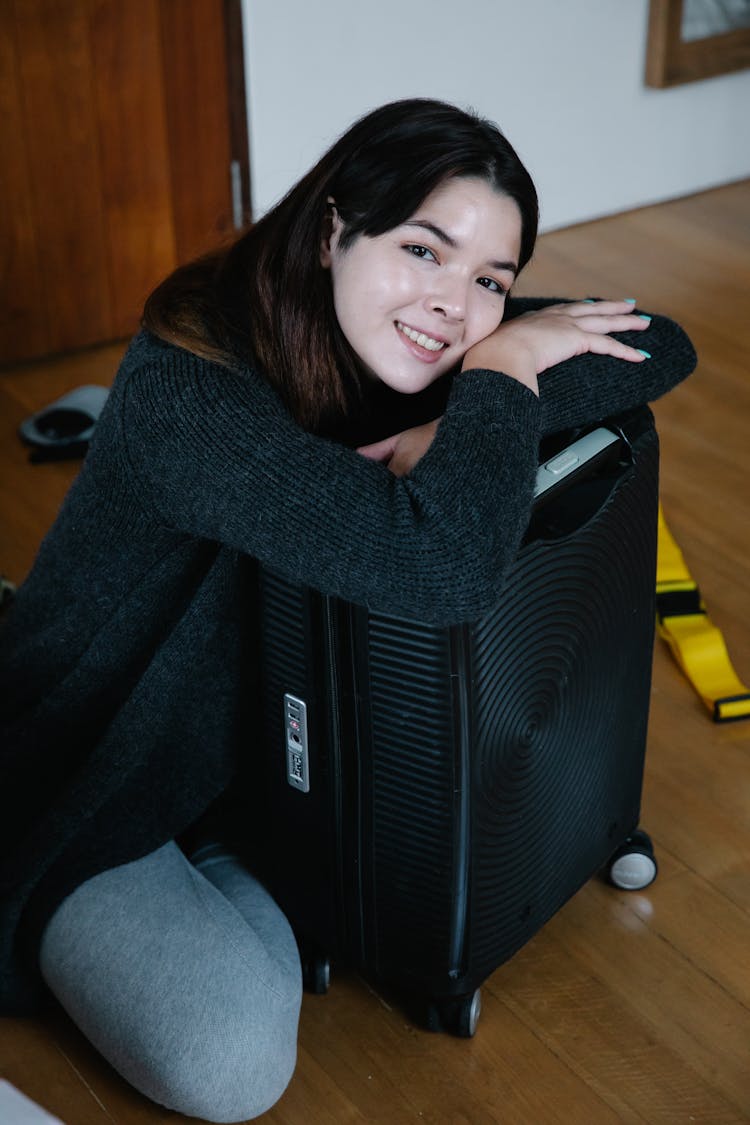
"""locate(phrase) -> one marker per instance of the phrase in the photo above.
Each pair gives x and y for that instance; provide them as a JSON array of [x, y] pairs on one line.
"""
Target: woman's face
[[411, 302]]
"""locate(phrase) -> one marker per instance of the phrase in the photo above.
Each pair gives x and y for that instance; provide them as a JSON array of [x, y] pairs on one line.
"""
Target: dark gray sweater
[[126, 659]]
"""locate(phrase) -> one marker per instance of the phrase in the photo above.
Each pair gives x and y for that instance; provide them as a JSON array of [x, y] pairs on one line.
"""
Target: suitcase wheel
[[458, 1017], [633, 866], [316, 975]]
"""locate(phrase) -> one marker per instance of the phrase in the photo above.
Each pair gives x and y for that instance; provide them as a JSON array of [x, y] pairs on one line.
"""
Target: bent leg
[[194, 1000]]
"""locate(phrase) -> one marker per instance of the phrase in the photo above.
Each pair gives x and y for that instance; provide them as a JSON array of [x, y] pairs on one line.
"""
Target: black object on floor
[[63, 429]]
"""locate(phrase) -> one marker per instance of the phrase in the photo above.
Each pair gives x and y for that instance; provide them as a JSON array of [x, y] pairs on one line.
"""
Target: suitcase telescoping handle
[[580, 479]]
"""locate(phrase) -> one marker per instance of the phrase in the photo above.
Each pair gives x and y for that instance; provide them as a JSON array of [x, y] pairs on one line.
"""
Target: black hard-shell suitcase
[[433, 795]]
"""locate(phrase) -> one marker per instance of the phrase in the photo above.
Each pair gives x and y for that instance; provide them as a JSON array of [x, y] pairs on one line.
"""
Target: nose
[[449, 298]]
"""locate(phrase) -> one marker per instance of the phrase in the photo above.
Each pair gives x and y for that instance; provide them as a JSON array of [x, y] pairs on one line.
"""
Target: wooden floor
[[626, 1007]]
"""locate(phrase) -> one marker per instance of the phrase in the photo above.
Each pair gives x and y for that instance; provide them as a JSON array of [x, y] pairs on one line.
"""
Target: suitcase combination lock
[[295, 729]]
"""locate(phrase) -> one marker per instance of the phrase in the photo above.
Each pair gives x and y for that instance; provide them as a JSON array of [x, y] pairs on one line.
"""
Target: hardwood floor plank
[[33, 1062], [658, 978], [627, 1060], [393, 1071], [708, 930]]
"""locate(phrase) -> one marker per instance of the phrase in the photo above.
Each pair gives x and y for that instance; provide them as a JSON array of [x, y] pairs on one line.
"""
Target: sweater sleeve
[[214, 454], [589, 387]]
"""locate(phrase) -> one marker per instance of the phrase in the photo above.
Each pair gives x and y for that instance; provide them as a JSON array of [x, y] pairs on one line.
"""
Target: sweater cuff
[[495, 396]]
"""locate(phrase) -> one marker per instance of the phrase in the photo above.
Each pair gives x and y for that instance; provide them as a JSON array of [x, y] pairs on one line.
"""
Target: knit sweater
[[127, 656]]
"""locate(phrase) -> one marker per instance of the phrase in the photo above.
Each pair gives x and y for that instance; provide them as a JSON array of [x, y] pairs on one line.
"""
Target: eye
[[420, 252], [492, 285]]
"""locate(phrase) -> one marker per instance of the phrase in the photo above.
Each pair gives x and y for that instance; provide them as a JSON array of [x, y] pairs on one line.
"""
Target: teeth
[[420, 338]]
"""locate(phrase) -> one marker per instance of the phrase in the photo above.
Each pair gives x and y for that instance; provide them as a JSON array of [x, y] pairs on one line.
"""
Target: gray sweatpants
[[186, 978]]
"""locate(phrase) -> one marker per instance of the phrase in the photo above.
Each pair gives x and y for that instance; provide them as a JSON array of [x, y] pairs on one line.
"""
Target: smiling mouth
[[421, 338]]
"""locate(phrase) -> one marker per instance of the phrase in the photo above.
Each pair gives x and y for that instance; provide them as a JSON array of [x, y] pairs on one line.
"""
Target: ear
[[331, 230]]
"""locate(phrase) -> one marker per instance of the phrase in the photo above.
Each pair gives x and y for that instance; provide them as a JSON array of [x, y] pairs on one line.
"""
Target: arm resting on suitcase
[[587, 388], [214, 454]]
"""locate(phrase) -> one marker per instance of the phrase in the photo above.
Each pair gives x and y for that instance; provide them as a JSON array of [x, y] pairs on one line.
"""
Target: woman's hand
[[527, 345], [402, 451]]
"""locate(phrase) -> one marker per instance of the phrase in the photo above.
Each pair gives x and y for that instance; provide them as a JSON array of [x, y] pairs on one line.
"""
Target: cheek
[[393, 288], [371, 289], [485, 320], [350, 298]]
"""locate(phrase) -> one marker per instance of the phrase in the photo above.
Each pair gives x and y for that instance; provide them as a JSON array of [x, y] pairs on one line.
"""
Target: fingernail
[[646, 355], [629, 300], [588, 301], [644, 317]]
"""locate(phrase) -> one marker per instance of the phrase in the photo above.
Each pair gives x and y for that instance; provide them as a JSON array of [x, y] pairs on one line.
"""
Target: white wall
[[562, 78]]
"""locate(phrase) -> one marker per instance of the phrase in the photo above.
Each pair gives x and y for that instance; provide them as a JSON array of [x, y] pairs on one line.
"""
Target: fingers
[[623, 312], [607, 345], [612, 322], [400, 465], [401, 451], [379, 450], [589, 304], [601, 318], [598, 319]]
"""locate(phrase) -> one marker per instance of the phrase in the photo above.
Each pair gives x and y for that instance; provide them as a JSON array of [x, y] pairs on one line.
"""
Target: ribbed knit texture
[[127, 658]]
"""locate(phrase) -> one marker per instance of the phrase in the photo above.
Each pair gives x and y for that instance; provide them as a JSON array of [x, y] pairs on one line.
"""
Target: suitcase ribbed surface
[[561, 678], [554, 718], [412, 788], [284, 639]]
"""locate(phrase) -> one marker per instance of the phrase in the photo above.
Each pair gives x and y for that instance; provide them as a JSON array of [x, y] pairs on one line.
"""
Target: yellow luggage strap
[[696, 643]]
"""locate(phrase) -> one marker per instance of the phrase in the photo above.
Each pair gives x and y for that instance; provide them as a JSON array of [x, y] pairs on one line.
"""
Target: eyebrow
[[444, 237]]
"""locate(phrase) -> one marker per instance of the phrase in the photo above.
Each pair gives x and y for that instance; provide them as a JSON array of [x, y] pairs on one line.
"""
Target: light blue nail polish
[[588, 301], [644, 317], [629, 300], [646, 355]]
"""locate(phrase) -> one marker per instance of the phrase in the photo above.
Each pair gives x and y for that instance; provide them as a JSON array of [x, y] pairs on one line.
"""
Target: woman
[[350, 395]]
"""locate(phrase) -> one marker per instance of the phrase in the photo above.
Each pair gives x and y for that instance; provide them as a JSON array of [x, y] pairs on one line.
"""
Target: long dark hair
[[268, 299]]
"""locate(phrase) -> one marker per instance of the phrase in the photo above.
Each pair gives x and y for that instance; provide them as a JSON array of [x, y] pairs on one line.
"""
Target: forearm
[[590, 387], [587, 388]]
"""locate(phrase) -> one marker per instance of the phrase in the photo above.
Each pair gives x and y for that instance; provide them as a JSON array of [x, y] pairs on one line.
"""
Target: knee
[[227, 1077]]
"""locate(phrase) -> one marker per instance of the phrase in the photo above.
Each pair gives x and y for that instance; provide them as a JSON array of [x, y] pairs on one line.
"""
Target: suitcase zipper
[[462, 811], [335, 765]]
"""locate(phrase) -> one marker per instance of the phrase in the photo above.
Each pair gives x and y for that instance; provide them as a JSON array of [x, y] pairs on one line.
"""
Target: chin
[[410, 388], [411, 384]]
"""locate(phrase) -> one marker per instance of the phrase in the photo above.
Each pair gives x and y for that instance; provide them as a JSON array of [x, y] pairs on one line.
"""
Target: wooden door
[[119, 126]]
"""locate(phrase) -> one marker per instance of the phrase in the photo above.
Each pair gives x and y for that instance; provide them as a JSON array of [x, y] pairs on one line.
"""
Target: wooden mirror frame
[[670, 60]]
